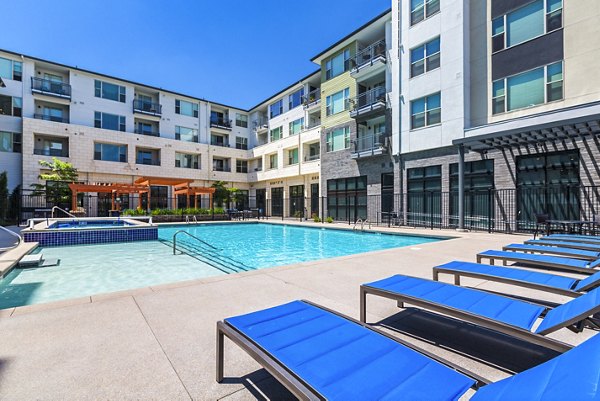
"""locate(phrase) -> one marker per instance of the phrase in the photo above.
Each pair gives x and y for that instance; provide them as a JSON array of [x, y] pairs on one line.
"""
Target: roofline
[[123, 80], [285, 89], [389, 10]]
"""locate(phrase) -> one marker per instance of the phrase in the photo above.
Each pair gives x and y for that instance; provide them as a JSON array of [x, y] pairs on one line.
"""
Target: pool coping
[[100, 297]]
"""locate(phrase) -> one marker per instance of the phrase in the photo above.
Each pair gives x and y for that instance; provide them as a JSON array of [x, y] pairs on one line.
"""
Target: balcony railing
[[194, 138], [224, 144], [148, 162], [51, 88], [226, 169], [51, 152], [311, 98], [369, 55], [311, 158], [311, 126], [368, 100], [56, 119], [220, 123], [193, 165], [261, 123], [370, 142], [146, 132], [145, 107]]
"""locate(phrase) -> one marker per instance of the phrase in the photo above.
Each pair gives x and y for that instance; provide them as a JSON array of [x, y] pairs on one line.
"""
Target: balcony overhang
[[51, 96], [220, 127], [577, 122], [368, 69], [152, 115], [312, 105], [370, 110]]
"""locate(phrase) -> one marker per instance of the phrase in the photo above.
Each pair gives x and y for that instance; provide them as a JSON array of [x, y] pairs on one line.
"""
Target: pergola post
[[461, 188], [195, 201], [73, 200]]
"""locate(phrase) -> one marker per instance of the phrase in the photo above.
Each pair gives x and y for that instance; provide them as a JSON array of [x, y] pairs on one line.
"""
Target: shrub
[[298, 214], [316, 218], [329, 219]]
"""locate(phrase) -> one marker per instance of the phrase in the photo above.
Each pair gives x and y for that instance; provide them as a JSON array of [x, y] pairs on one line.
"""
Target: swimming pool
[[83, 224], [86, 270]]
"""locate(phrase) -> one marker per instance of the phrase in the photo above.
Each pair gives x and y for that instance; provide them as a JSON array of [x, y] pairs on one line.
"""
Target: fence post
[[431, 209], [490, 197]]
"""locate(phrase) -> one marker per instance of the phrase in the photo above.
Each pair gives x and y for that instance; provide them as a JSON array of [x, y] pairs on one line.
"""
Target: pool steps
[[208, 255]]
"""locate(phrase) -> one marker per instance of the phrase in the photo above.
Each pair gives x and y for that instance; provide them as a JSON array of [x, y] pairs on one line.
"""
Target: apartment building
[[496, 96]]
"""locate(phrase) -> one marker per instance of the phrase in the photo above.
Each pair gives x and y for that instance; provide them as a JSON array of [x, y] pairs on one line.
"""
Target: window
[[109, 121], [186, 108], [10, 142], [241, 120], [241, 166], [425, 111], [424, 200], [219, 140], [11, 106], [186, 134], [184, 160], [276, 108], [338, 102], [296, 126], [109, 91], [338, 139], [525, 23], [542, 85], [422, 9], [110, 153], [149, 157], [10, 69], [276, 134], [347, 198], [241, 143], [425, 58], [337, 65], [219, 119], [295, 99], [292, 156], [273, 161], [143, 128]]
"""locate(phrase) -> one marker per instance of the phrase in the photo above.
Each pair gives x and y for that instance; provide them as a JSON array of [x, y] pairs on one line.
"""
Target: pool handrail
[[191, 235], [62, 210], [14, 235]]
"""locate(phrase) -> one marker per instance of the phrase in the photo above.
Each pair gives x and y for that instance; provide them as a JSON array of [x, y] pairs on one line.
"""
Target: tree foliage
[[58, 175]]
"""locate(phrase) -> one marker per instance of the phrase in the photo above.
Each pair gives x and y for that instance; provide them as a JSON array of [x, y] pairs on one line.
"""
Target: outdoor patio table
[[568, 225]]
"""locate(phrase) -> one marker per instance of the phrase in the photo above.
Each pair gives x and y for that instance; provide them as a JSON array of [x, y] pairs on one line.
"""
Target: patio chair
[[548, 282], [564, 244], [319, 354], [541, 261], [553, 250], [541, 219], [509, 316]]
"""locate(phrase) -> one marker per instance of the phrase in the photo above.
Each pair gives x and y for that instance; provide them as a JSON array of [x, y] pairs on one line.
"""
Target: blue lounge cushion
[[553, 249], [570, 376], [575, 236], [541, 259], [343, 360], [575, 245], [503, 309], [547, 279], [588, 282], [581, 306]]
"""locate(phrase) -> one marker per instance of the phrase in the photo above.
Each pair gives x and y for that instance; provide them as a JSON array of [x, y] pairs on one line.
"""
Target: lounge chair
[[553, 250], [318, 354], [585, 239], [564, 244], [548, 282], [544, 261], [503, 314]]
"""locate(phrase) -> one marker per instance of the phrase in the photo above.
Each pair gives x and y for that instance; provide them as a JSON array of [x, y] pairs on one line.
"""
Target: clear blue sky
[[238, 52]]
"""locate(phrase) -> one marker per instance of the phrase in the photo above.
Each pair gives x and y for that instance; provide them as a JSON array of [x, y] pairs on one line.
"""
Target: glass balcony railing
[[311, 98], [49, 87], [367, 100], [148, 162], [141, 131], [51, 152], [56, 119], [369, 55], [370, 142], [312, 158], [226, 169], [218, 122], [146, 107]]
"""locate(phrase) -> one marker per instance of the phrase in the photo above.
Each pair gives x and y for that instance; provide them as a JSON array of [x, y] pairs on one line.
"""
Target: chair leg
[[220, 355]]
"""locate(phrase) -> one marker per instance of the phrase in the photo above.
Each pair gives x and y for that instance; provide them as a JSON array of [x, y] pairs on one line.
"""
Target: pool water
[[86, 270], [81, 224]]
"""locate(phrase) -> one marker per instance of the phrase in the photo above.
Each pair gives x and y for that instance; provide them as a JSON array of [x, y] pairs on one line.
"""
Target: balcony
[[369, 145], [262, 124], [216, 140], [312, 158], [220, 122], [147, 162], [142, 131], [226, 169], [312, 99], [369, 103], [368, 61], [56, 119], [50, 88], [51, 152], [147, 108]]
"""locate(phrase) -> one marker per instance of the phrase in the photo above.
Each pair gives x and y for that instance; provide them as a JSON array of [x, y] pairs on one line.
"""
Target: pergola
[[142, 185]]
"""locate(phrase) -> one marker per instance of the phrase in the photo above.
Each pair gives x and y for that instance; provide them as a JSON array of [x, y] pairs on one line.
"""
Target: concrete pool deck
[[159, 342]]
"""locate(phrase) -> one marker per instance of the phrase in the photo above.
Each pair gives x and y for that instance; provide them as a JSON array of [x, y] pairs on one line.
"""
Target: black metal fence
[[493, 210]]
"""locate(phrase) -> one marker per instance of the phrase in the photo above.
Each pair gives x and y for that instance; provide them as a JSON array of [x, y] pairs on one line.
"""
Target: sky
[[236, 52]]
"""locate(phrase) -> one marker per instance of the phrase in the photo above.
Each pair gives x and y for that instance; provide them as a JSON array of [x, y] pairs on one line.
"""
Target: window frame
[[241, 142], [99, 91], [273, 157], [505, 95], [178, 134], [241, 166], [99, 121], [119, 146], [424, 7], [16, 74], [15, 142], [426, 57], [279, 130], [293, 124], [292, 99], [345, 54], [426, 111], [241, 120], [329, 102], [290, 153], [194, 108], [194, 160], [329, 139]]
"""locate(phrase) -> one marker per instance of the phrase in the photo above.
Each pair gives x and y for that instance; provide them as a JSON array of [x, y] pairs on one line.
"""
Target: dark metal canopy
[[555, 126]]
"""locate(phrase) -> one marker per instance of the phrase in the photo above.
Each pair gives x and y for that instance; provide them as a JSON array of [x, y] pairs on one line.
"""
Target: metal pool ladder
[[14, 235], [193, 236], [362, 224], [62, 210], [188, 221]]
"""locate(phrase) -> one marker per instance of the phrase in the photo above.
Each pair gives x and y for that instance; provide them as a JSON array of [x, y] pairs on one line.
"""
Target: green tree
[[221, 194], [13, 204], [3, 195], [58, 175]]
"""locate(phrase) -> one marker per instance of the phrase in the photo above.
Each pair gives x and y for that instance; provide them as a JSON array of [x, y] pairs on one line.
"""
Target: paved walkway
[[159, 343]]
